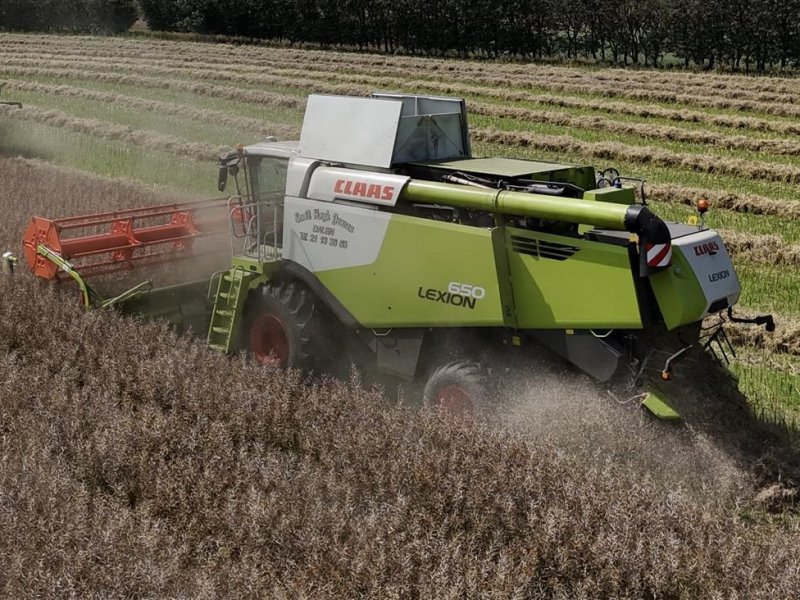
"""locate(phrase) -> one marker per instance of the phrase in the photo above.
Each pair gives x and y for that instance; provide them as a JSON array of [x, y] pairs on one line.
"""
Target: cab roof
[[287, 148]]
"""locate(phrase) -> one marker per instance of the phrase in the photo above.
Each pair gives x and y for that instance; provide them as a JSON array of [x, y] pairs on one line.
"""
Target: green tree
[[96, 16]]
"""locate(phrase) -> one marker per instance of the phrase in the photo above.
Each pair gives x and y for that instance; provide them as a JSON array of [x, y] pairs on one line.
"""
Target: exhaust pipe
[[655, 240]]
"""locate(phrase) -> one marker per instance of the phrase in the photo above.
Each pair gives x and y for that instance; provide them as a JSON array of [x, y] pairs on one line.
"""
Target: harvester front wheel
[[279, 323], [458, 389]]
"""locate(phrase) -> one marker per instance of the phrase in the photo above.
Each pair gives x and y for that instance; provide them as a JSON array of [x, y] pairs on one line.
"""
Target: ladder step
[[226, 313]]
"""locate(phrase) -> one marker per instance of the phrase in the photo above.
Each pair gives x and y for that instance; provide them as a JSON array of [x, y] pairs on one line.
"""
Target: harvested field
[[155, 468]]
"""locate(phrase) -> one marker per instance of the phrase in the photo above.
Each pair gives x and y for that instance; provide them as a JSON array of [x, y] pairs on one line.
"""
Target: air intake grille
[[542, 249]]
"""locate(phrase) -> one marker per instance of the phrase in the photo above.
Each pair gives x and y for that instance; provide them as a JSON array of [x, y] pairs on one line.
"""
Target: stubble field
[[152, 467]]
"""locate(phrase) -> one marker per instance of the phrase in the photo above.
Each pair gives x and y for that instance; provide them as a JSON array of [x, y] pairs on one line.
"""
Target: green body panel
[[261, 270], [656, 402], [678, 292], [592, 288], [600, 214], [504, 276], [624, 195], [407, 286]]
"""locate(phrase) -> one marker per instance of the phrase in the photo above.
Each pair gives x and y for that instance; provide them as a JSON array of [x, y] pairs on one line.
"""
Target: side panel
[[701, 280], [568, 283], [396, 270], [323, 235]]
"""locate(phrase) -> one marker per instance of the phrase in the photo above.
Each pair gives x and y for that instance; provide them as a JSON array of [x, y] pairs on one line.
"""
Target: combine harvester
[[381, 223]]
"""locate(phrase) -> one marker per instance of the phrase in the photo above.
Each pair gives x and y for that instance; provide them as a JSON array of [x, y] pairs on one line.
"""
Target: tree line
[[750, 35], [740, 34], [77, 16]]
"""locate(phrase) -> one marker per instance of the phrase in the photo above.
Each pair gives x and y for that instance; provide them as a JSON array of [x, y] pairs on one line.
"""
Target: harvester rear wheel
[[279, 323], [458, 389]]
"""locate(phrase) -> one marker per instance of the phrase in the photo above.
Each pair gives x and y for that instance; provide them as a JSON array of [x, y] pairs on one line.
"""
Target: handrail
[[252, 232]]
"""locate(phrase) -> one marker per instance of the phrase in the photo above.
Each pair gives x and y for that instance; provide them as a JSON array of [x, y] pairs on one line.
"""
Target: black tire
[[458, 388], [280, 324]]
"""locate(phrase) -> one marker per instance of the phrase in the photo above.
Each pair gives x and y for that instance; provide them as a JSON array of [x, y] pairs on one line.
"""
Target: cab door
[[268, 186]]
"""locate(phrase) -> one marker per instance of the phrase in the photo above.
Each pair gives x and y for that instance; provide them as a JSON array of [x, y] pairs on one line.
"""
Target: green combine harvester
[[380, 226]]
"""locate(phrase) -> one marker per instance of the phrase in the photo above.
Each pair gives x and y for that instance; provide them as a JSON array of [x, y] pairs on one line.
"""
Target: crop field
[[136, 463]]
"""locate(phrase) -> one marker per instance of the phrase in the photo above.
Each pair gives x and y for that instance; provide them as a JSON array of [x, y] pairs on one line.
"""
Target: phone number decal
[[324, 227]]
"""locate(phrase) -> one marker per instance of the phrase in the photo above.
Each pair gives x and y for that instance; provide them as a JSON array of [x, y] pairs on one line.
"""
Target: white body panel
[[712, 266], [297, 175], [328, 236], [358, 131], [384, 130]]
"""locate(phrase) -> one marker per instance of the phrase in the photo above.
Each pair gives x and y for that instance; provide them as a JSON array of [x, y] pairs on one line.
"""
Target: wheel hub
[[455, 401], [269, 341]]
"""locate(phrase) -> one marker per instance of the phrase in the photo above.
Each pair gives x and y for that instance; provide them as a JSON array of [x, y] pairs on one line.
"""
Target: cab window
[[268, 176]]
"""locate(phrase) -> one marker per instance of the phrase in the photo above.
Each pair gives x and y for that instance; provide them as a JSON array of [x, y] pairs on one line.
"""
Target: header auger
[[378, 232], [122, 240]]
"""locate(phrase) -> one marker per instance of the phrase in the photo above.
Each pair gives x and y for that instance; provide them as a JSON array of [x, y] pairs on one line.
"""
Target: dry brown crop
[[764, 249], [31, 187], [152, 467]]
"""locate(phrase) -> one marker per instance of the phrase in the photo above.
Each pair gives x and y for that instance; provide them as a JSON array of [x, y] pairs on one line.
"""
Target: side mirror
[[228, 163], [222, 178]]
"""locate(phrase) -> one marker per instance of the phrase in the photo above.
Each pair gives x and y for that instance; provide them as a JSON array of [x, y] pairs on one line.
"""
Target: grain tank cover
[[384, 130]]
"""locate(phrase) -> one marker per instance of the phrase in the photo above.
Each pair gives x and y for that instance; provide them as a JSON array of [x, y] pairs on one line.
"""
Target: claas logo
[[707, 248], [364, 190]]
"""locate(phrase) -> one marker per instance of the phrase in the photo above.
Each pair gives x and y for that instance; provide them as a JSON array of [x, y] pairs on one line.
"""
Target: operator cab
[[257, 208]]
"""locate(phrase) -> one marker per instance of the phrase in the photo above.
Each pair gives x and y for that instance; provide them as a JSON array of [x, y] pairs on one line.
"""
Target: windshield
[[268, 175]]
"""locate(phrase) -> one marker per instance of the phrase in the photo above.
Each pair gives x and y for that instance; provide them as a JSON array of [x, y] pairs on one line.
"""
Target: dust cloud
[[556, 404]]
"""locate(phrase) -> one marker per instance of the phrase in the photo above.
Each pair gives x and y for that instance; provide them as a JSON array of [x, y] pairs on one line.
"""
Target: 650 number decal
[[464, 289]]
